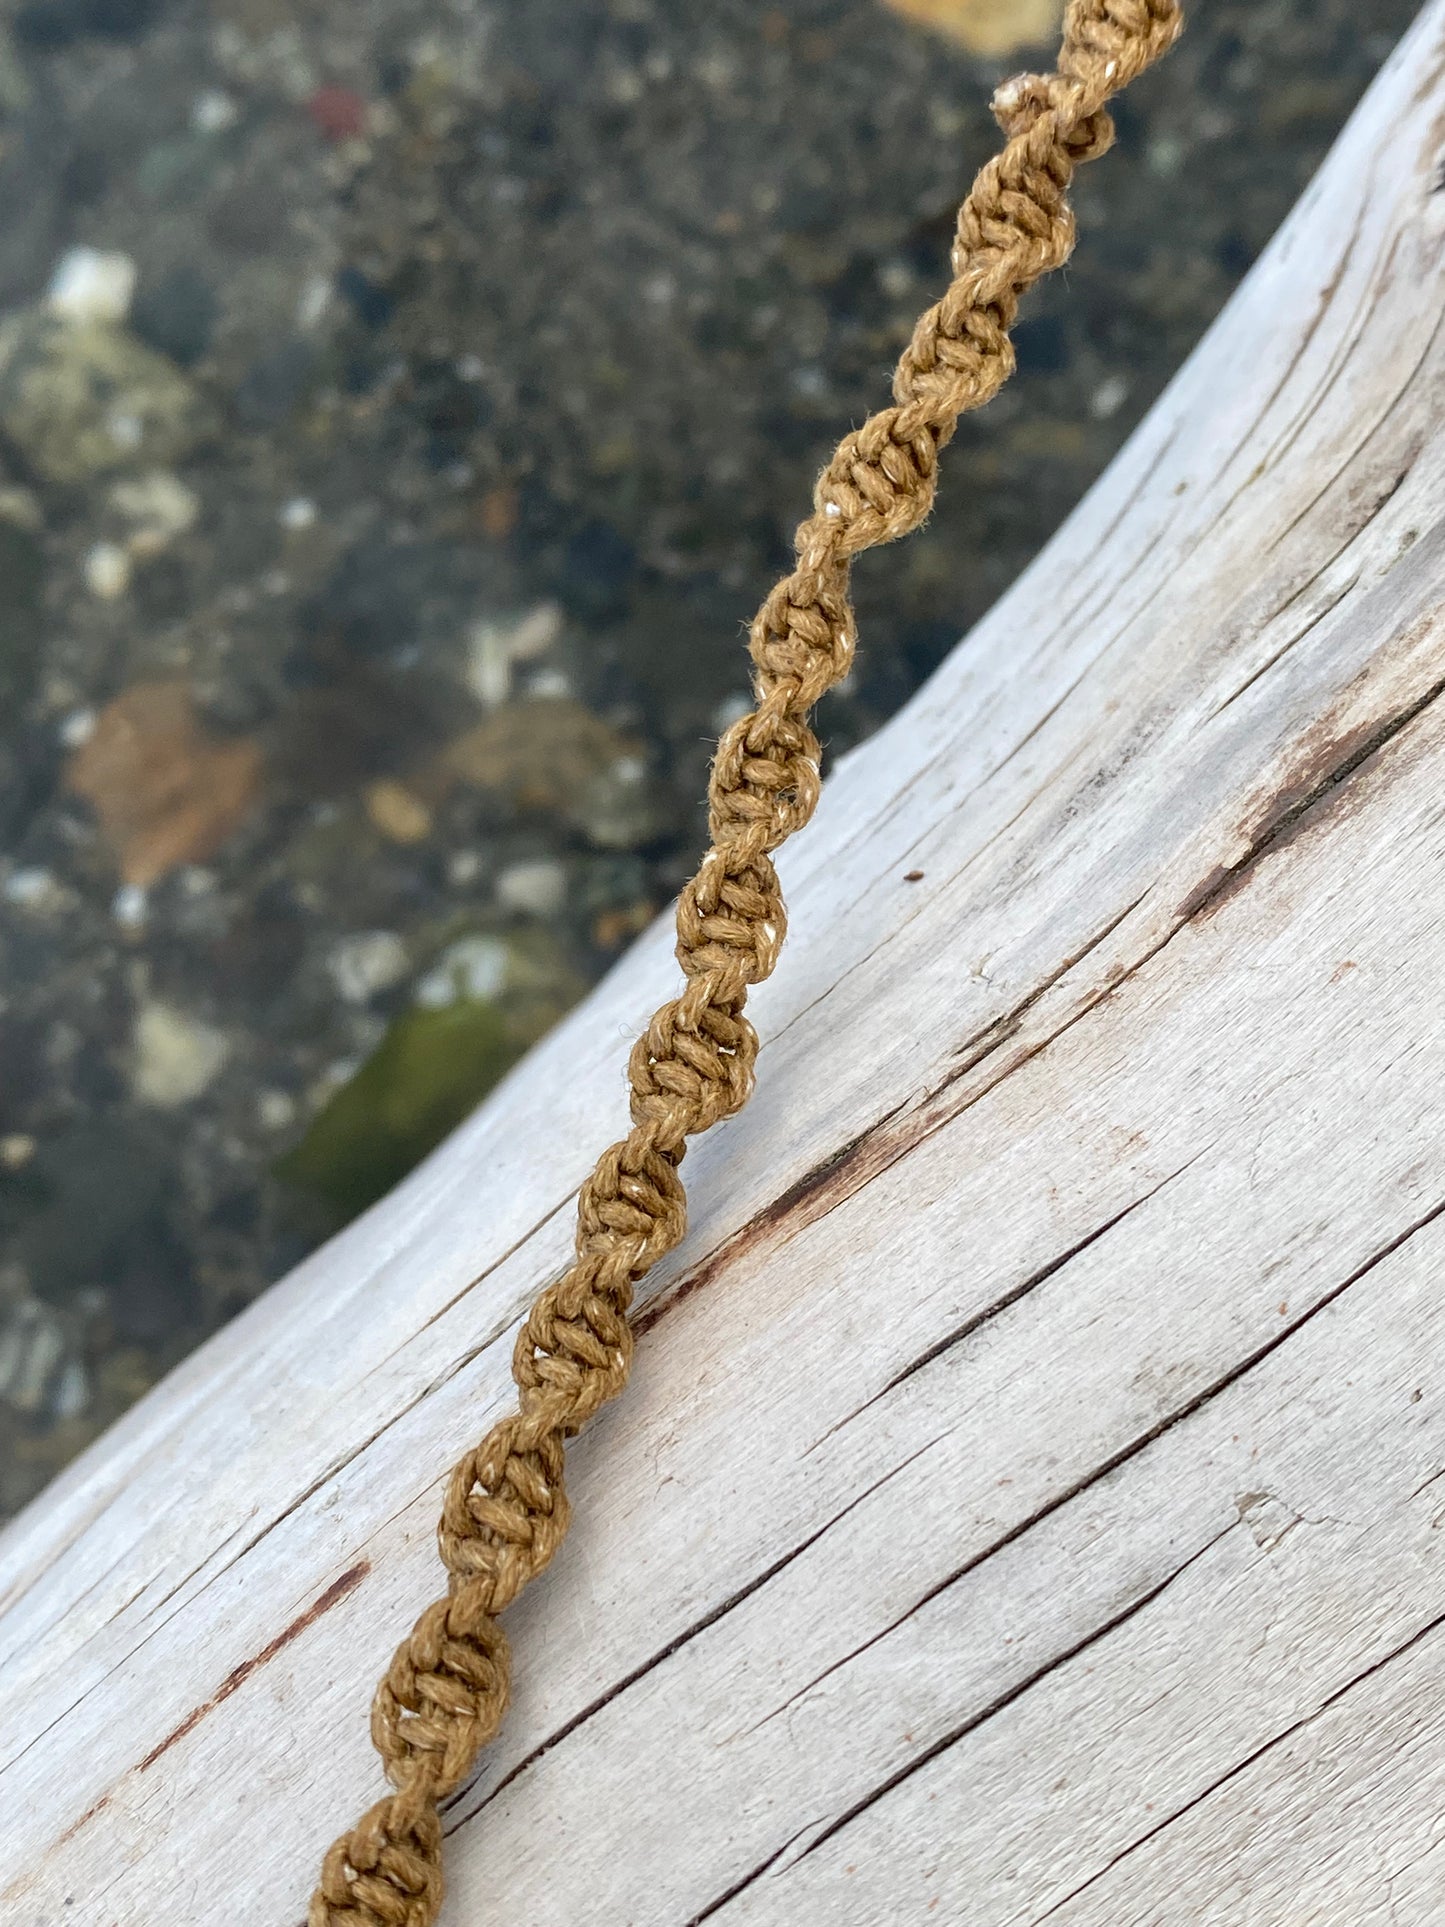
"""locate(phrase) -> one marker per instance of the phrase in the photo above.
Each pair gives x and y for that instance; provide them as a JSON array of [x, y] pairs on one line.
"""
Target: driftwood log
[[1030, 1501]]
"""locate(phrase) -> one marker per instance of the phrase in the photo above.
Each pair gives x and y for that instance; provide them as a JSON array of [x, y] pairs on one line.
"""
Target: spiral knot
[[1020, 103], [385, 1873], [505, 1511], [442, 1696]]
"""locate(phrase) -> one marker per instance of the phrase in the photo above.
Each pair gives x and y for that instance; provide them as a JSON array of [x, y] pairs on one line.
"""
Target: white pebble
[[77, 728], [16, 1150], [298, 513], [128, 906], [174, 1055], [314, 300], [126, 430], [339, 1071], [1109, 397], [493, 648], [107, 571], [363, 965], [91, 285], [475, 967], [464, 867], [30, 1349], [160, 505], [72, 1391], [213, 112], [18, 505], [32, 889], [537, 888], [1165, 155], [276, 1110]]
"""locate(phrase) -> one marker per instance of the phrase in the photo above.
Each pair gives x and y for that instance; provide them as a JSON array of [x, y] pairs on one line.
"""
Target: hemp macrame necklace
[[506, 1510]]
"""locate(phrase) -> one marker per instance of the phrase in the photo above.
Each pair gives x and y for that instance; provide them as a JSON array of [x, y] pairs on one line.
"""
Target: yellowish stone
[[986, 26], [397, 813]]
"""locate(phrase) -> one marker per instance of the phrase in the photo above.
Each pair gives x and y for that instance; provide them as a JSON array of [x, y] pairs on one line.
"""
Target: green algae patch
[[427, 1073], [435, 1064]]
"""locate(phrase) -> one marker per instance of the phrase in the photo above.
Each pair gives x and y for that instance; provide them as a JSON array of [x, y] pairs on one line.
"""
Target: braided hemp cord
[[506, 1510]]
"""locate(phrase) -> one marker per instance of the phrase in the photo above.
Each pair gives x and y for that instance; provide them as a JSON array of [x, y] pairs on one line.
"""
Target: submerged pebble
[[90, 284], [32, 1345], [175, 1055], [367, 963], [398, 812], [107, 571], [495, 648], [84, 398], [474, 968], [537, 887]]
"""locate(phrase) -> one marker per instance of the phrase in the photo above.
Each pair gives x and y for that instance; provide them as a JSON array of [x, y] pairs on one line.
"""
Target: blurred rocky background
[[403, 406]]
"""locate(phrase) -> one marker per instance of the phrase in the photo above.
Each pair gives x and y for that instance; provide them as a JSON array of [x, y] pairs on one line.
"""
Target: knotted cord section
[[505, 1514]]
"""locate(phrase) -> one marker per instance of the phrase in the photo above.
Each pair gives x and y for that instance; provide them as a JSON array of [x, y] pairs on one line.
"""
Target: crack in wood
[[753, 1873], [977, 1719], [1374, 293], [871, 1152], [676, 1644], [1133, 1449], [1299, 635], [820, 1190], [1116, 1462], [1111, 1465], [1242, 1766], [1005, 1303]]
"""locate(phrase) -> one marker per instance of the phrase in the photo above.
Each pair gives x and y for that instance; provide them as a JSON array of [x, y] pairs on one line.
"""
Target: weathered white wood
[[1029, 1503]]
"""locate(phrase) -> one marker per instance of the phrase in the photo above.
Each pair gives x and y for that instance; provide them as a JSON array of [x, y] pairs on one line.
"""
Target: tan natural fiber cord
[[506, 1510]]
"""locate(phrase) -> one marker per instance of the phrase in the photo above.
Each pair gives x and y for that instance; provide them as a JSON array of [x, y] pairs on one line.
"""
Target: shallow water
[[402, 409]]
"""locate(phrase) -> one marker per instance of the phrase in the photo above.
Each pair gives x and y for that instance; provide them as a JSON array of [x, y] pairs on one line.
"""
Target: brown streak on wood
[[75, 1826], [17, 1888], [1324, 762], [334, 1593], [813, 1196], [866, 1156]]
